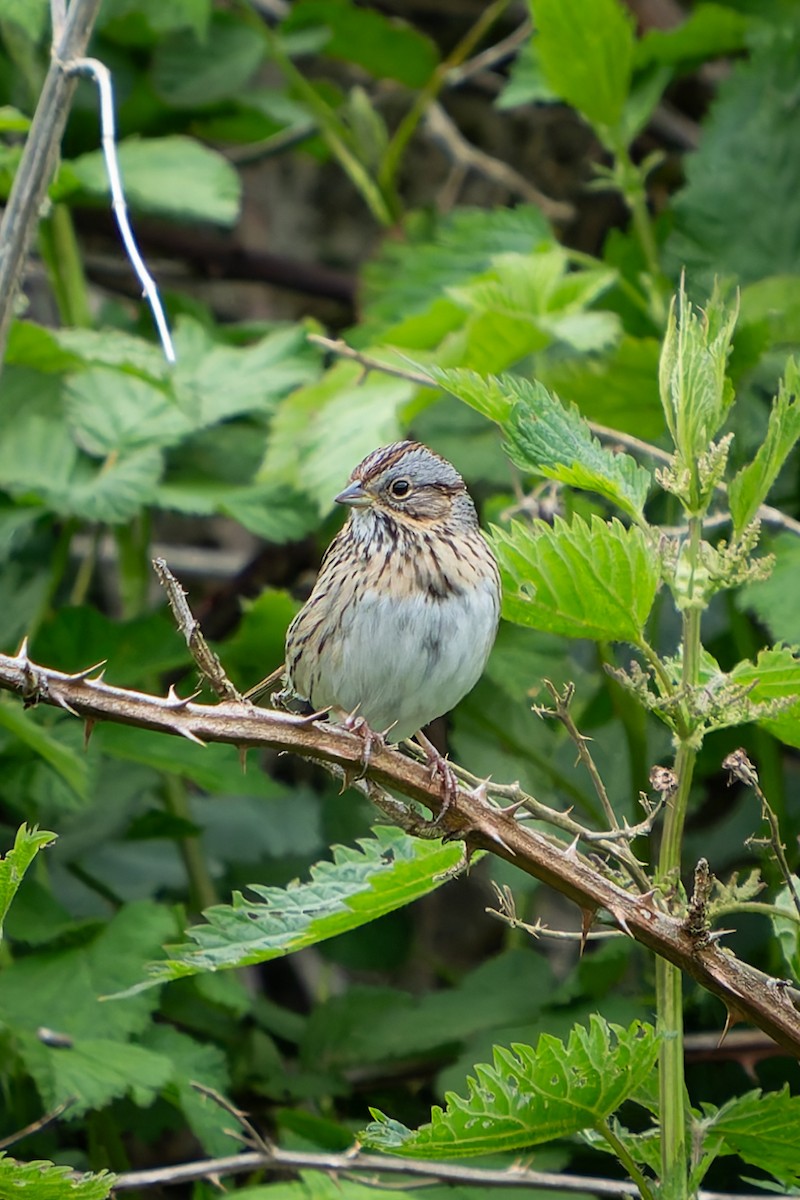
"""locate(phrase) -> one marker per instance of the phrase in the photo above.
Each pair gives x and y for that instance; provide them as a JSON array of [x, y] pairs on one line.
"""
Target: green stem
[[669, 982], [622, 1153], [133, 547], [756, 906], [387, 172], [61, 255], [202, 893], [85, 571]]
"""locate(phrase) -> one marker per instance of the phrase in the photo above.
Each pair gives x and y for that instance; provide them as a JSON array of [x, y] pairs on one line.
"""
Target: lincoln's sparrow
[[405, 608]]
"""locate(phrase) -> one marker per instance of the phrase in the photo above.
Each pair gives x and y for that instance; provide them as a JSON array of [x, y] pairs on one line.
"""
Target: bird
[[405, 609]]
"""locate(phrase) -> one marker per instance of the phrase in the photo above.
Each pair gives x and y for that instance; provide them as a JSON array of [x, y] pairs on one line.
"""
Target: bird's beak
[[354, 496]]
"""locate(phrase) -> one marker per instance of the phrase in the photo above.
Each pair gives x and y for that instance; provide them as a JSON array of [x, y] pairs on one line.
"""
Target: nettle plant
[[595, 577]]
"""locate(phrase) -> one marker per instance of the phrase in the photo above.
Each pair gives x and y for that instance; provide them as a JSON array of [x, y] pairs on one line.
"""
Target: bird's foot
[[440, 770], [370, 737]]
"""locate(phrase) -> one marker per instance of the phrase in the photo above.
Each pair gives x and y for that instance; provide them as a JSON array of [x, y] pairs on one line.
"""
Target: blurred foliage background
[[450, 180]]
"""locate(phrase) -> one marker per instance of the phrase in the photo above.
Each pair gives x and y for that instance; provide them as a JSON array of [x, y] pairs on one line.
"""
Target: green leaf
[[159, 16], [774, 678], [13, 866], [773, 600], [618, 389], [529, 1096], [111, 492], [385, 873], [695, 393], [594, 580], [786, 929], [384, 46], [61, 989], [209, 186], [586, 49], [12, 120], [753, 120], [71, 766], [94, 1071], [196, 1062], [214, 382], [403, 288], [762, 1129], [29, 15], [111, 412], [40, 1180], [547, 438], [71, 639], [709, 31], [324, 430], [198, 72], [749, 489]]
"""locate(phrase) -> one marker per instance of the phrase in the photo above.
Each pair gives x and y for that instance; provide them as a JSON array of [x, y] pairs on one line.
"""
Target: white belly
[[403, 662]]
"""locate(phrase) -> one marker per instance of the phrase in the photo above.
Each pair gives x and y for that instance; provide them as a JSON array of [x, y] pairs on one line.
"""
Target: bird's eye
[[400, 487]]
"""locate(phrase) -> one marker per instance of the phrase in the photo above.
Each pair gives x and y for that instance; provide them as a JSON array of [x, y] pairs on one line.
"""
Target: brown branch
[[481, 826]]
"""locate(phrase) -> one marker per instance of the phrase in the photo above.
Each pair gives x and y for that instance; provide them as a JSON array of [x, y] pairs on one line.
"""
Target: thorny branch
[[740, 767], [470, 817]]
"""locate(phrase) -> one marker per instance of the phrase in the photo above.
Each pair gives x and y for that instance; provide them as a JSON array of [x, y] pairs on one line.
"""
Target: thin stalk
[[202, 893], [621, 1152], [669, 981], [133, 546], [60, 252], [387, 172]]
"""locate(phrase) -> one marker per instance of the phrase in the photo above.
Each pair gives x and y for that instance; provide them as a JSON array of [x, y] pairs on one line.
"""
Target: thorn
[[98, 678], [511, 809], [646, 898], [62, 703], [191, 737], [620, 919], [309, 718], [587, 921], [714, 935], [732, 1017], [79, 676], [495, 836], [480, 794], [572, 849], [173, 700], [88, 730], [22, 653]]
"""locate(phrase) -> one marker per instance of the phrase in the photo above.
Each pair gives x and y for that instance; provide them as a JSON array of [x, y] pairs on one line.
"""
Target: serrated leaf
[[41, 1180], [360, 885], [209, 186], [214, 382], [695, 393], [111, 492], [762, 1128], [547, 438], [324, 430], [111, 412], [27, 844], [196, 1062], [61, 989], [94, 1071], [774, 678], [586, 50], [749, 489], [753, 120], [529, 1096], [407, 281], [594, 580]]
